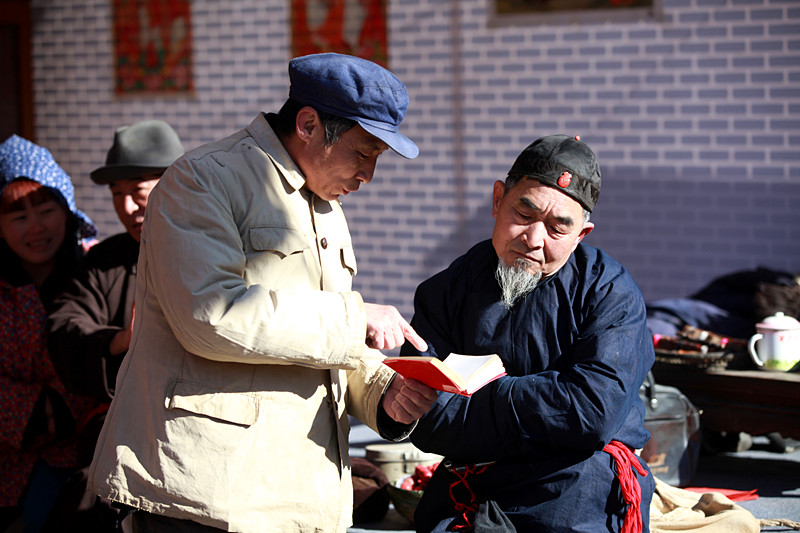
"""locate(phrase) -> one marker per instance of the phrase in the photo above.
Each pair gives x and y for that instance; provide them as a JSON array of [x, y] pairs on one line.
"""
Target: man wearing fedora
[[250, 348], [90, 327], [549, 447]]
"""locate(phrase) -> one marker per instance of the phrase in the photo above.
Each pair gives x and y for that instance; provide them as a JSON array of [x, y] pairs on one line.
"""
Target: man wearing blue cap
[[249, 347], [549, 447]]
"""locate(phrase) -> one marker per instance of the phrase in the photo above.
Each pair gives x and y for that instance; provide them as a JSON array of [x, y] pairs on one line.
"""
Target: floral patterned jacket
[[25, 373]]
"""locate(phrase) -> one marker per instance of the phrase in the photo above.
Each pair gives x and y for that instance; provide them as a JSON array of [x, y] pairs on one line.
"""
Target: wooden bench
[[753, 401]]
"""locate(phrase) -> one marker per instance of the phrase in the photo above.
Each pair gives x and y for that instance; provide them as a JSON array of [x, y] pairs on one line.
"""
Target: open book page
[[467, 366], [461, 374]]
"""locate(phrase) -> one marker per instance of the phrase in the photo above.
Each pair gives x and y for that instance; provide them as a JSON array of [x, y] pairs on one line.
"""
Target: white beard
[[515, 280]]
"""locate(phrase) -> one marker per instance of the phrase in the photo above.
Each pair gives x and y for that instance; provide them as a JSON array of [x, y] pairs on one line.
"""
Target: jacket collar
[[266, 138]]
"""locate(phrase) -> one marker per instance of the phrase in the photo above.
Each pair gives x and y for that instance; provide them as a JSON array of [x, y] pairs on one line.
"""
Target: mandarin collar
[[266, 138]]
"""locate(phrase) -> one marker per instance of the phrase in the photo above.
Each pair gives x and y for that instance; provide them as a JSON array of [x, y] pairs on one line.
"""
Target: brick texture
[[695, 115]]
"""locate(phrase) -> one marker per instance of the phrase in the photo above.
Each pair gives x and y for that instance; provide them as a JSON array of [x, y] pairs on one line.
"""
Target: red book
[[461, 374]]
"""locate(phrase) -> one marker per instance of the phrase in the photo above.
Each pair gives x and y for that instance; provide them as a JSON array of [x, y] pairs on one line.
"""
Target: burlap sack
[[675, 509]]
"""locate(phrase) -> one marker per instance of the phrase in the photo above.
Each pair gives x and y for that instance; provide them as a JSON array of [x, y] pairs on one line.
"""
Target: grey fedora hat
[[147, 147]]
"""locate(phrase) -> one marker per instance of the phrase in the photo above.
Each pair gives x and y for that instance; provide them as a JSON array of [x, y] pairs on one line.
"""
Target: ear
[[307, 124], [498, 192], [586, 230]]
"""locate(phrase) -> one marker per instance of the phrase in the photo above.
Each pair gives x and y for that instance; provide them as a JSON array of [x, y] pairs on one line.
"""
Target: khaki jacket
[[248, 350]]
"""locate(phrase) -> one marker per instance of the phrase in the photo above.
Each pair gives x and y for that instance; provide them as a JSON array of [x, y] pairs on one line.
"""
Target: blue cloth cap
[[20, 158], [357, 89]]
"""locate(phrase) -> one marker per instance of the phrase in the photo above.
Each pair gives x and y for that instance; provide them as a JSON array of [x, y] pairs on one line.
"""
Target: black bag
[[488, 518], [674, 424], [370, 499], [491, 519]]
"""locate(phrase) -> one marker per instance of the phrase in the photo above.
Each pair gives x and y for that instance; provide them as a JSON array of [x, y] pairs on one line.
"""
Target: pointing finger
[[417, 341]]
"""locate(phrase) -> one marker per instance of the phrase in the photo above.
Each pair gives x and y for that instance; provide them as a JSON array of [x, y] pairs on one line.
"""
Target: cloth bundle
[[675, 509]]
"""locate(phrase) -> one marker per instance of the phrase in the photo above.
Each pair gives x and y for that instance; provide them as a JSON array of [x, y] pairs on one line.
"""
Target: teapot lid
[[779, 321]]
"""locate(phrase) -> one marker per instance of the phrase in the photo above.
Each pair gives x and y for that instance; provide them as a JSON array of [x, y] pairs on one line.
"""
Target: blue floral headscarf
[[20, 158]]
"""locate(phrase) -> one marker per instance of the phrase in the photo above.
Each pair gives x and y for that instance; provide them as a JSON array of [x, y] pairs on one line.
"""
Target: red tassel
[[625, 459], [465, 508]]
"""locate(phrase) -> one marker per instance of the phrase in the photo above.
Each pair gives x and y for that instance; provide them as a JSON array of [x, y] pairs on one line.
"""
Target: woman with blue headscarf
[[41, 237]]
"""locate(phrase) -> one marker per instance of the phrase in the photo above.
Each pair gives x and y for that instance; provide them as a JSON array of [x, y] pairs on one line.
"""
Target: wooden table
[[753, 401]]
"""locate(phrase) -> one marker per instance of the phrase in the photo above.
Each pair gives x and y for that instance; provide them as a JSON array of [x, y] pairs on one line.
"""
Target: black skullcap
[[562, 162]]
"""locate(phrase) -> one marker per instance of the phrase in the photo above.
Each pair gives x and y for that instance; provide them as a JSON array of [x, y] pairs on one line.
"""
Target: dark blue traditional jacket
[[576, 350]]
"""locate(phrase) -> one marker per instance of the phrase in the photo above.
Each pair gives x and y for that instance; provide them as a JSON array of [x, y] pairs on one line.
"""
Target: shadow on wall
[[673, 235], [676, 235], [468, 232]]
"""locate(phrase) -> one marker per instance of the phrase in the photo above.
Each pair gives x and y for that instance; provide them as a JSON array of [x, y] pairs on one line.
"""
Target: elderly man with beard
[[549, 447]]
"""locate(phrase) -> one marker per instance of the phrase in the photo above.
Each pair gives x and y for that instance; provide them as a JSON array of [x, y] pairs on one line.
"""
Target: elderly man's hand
[[387, 329], [406, 400]]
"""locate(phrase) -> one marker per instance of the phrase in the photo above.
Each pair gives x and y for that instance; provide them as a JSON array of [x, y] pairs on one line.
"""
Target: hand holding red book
[[457, 373]]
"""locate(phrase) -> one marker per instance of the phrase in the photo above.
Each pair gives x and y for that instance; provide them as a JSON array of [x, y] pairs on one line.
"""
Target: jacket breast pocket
[[282, 241], [279, 257], [233, 407], [349, 259]]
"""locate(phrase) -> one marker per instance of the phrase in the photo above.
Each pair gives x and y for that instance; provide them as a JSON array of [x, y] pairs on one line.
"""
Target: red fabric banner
[[354, 27], [152, 46]]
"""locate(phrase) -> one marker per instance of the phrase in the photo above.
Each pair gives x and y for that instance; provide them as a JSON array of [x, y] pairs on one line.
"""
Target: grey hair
[[333, 125]]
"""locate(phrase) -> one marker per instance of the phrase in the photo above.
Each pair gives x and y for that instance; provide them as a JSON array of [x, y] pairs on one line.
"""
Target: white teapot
[[776, 345]]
